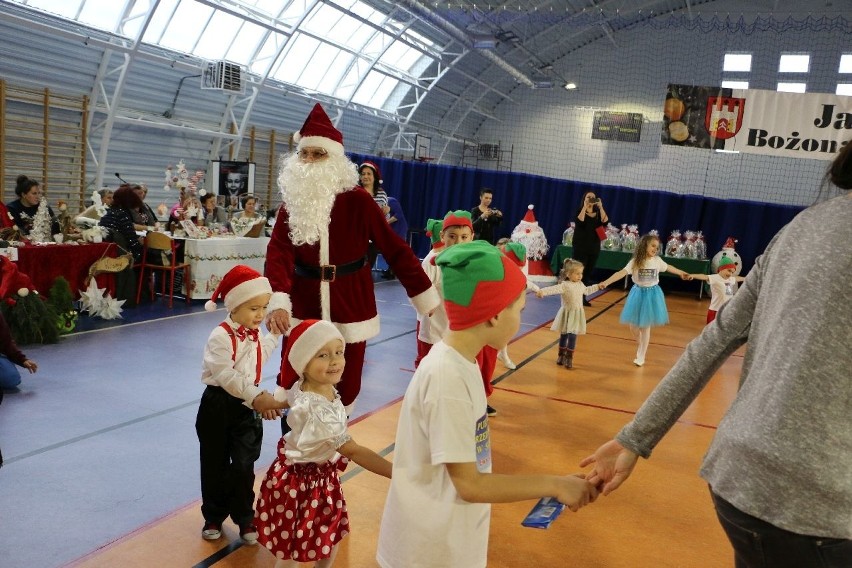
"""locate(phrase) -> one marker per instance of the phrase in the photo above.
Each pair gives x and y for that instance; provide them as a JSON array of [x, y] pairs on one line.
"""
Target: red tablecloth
[[43, 264]]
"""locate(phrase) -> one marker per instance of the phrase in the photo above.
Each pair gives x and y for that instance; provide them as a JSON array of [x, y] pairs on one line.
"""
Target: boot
[[568, 361], [563, 351]]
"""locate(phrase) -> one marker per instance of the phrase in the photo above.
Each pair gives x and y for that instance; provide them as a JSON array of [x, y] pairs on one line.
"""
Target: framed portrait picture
[[230, 180]]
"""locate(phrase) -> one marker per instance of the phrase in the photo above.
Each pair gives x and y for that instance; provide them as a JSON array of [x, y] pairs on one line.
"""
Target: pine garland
[[62, 302], [30, 318]]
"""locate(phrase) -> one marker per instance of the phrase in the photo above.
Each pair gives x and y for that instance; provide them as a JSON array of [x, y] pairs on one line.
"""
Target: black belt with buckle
[[328, 272]]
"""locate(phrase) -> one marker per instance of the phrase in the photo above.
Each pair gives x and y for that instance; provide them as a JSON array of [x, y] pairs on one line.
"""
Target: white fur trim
[[326, 144], [350, 408], [355, 332], [280, 301], [210, 306], [245, 291], [426, 301], [542, 278], [280, 394], [309, 342]]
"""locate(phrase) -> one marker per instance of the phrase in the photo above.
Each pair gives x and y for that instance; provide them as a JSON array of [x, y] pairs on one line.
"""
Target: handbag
[[601, 232]]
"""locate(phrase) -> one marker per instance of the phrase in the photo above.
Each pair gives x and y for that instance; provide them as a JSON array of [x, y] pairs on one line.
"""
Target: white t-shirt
[[443, 420], [649, 274], [434, 327], [721, 290]]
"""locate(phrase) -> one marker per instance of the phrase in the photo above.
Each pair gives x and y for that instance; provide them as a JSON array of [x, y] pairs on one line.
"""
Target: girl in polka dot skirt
[[301, 513]]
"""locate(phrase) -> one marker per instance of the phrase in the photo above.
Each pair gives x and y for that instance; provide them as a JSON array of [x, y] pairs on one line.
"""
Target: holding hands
[[613, 464], [575, 491]]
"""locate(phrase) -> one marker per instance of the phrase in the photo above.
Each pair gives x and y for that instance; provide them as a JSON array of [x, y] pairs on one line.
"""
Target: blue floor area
[[101, 441]]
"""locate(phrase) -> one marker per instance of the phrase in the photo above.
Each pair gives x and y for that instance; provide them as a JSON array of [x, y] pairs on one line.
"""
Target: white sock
[[644, 338]]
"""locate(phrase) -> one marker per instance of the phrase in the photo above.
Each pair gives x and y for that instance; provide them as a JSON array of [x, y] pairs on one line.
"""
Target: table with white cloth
[[210, 259]]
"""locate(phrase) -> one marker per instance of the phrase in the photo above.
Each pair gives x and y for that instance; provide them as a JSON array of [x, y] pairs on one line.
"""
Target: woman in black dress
[[587, 242]]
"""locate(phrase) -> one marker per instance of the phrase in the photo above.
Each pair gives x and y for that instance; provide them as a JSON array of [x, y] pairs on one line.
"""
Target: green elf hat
[[457, 218], [478, 283], [516, 252], [726, 262], [433, 230]]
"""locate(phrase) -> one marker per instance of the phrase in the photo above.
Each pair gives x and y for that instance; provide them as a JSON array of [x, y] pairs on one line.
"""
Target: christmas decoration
[[41, 232], [91, 299], [568, 235], [531, 235], [30, 318], [729, 252], [62, 301]]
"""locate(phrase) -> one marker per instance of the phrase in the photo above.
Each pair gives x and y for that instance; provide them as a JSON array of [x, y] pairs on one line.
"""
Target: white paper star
[[111, 308], [92, 298]]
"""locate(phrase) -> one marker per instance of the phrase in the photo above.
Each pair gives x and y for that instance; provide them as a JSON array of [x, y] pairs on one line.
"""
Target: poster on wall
[[231, 181], [619, 126], [757, 121]]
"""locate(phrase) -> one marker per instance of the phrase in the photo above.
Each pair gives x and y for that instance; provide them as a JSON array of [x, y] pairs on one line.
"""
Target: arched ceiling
[[377, 57]]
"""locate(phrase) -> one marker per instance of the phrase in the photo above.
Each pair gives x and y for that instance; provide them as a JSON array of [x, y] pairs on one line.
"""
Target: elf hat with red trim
[[457, 218], [725, 262], [478, 282]]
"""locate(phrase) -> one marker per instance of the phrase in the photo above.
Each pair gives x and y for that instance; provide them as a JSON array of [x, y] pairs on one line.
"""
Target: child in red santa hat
[[228, 424], [301, 512], [438, 508]]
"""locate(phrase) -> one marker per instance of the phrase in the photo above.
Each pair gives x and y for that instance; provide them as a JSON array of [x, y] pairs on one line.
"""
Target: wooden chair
[[159, 254]]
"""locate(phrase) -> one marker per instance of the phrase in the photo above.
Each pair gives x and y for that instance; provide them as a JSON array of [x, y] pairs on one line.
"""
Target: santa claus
[[316, 258]]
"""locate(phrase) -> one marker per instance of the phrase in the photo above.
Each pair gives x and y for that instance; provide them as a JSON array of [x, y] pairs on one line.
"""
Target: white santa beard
[[308, 191]]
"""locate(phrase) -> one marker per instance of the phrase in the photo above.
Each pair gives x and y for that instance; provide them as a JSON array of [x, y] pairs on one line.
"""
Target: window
[[792, 87], [845, 63], [791, 63], [737, 62], [844, 89], [735, 84]]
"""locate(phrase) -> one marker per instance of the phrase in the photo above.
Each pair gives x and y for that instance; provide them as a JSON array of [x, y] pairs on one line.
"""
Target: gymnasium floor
[[102, 459]]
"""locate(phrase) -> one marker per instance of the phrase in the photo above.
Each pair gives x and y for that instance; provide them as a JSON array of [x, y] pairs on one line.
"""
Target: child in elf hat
[[438, 509], [456, 227], [519, 251], [228, 423], [570, 320], [301, 512], [433, 231], [723, 285]]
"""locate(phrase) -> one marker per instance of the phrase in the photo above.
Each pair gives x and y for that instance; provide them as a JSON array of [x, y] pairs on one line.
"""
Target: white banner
[[795, 125]]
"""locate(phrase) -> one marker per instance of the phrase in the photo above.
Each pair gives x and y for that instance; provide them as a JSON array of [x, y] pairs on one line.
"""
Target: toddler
[[723, 285]]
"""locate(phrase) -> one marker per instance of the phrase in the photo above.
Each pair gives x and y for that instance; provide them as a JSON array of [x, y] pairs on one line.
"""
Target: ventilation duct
[[223, 76]]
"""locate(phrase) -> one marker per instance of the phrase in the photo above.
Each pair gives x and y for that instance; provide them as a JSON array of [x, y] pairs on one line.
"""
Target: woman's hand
[[30, 365]]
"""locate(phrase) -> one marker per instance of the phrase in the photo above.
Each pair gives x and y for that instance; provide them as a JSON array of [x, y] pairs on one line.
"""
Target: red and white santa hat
[[319, 132], [239, 285], [303, 343], [376, 173]]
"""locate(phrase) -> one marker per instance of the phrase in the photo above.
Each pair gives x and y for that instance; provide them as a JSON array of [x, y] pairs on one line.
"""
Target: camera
[[596, 200]]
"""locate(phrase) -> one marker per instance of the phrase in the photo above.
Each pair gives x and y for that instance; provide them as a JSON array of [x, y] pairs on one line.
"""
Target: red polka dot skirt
[[301, 513]]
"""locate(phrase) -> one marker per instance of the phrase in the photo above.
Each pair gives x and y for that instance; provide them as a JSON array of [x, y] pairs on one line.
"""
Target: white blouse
[[318, 426]]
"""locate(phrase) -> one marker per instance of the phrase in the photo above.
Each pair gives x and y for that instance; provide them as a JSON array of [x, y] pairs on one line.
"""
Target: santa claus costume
[[316, 255]]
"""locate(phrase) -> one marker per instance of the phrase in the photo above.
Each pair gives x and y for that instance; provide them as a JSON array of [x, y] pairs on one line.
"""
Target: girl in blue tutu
[[645, 306]]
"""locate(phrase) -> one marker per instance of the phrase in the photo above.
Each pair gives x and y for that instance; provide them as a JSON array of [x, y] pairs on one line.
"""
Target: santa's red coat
[[355, 221]]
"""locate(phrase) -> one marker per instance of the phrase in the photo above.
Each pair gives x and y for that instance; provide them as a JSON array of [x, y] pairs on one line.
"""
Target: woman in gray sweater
[[780, 464]]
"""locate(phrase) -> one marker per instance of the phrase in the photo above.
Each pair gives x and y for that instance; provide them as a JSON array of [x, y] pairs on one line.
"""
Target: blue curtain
[[430, 190]]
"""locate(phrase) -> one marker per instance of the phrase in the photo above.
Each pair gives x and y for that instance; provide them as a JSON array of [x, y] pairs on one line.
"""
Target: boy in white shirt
[[723, 285], [438, 510]]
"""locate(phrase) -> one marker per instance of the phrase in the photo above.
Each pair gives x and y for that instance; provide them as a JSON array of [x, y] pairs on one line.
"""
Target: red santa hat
[[303, 343], [319, 132], [240, 284], [12, 281], [376, 173]]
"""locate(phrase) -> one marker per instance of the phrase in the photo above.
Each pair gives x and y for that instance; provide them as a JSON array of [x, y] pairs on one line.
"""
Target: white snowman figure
[[727, 250]]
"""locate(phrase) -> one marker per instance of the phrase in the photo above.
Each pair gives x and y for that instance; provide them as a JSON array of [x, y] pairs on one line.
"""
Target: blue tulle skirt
[[645, 307]]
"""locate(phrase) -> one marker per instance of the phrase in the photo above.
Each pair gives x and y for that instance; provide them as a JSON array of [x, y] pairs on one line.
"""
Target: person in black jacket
[[485, 218], [587, 242]]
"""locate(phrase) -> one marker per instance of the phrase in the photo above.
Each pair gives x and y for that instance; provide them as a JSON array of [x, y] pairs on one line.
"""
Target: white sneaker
[[508, 363], [638, 363]]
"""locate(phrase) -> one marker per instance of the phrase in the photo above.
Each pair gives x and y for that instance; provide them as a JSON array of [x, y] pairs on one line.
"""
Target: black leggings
[[589, 258]]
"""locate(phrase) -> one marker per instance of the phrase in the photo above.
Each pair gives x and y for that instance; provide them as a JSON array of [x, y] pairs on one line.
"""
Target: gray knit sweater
[[783, 450]]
